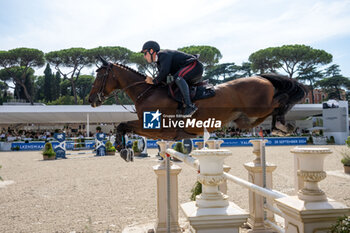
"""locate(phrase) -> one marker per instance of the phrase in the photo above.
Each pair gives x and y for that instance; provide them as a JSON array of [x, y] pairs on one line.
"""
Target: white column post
[[311, 210], [87, 125], [162, 209], [256, 202], [212, 212]]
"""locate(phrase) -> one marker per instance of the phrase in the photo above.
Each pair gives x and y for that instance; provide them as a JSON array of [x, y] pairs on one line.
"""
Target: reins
[[115, 93]]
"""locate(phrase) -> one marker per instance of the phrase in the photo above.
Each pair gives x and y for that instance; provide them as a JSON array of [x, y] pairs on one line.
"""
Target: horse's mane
[[129, 69]]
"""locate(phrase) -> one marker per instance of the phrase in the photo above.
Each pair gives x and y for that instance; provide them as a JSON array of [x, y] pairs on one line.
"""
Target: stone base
[[302, 216], [261, 231], [219, 220], [162, 228]]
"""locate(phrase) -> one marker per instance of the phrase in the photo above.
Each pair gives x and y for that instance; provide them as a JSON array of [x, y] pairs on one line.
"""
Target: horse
[[245, 101]]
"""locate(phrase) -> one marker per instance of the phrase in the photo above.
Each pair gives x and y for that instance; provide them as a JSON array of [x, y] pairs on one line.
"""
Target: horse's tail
[[288, 92]]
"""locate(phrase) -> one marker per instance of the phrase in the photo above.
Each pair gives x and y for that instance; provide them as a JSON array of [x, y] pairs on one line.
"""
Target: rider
[[185, 68]]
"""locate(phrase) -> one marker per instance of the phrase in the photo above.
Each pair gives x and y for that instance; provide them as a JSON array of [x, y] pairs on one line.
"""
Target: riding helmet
[[151, 45]]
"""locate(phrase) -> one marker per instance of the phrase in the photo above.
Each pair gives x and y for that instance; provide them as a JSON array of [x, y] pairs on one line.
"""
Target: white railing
[[264, 192], [264, 202]]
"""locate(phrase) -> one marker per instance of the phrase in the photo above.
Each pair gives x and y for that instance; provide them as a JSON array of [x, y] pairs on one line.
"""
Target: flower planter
[[110, 152], [346, 169], [137, 153], [46, 157]]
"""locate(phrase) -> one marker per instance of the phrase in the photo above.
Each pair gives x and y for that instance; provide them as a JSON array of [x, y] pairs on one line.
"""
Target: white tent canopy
[[38, 114], [57, 114]]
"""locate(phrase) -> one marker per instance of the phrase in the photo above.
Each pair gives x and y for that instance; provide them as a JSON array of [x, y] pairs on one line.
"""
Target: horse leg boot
[[190, 108]]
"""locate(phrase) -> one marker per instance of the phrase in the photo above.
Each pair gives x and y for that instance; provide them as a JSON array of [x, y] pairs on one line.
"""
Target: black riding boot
[[190, 108]]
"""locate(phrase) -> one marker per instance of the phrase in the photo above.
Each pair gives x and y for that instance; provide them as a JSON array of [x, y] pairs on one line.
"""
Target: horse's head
[[104, 84]]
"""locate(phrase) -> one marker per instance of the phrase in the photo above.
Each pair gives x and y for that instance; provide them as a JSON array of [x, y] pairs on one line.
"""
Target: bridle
[[100, 94]]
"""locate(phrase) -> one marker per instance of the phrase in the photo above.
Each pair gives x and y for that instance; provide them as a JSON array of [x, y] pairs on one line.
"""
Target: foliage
[[311, 75], [342, 225], [179, 146], [330, 140], [310, 140], [83, 86], [209, 55], [135, 146], [143, 66], [346, 155], [48, 150], [334, 82], [3, 91], [110, 147], [23, 80], [23, 58], [264, 61], [196, 190], [65, 100], [74, 60], [15, 148], [346, 160], [222, 72], [289, 58], [347, 141], [49, 84], [114, 54]]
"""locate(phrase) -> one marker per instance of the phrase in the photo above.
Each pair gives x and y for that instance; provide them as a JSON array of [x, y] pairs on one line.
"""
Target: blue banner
[[228, 142]]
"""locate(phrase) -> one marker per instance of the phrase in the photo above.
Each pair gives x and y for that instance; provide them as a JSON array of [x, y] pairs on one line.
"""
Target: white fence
[[309, 211]]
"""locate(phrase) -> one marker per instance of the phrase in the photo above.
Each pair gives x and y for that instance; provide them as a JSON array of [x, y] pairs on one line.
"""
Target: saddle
[[200, 90]]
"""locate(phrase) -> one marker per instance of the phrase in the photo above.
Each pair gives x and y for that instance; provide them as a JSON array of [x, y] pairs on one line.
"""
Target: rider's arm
[[164, 68]]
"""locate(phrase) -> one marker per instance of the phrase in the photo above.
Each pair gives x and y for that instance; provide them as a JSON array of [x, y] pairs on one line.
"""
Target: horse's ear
[[104, 62]]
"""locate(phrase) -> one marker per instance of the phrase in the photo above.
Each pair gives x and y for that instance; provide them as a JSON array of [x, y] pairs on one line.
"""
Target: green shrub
[[135, 146], [346, 155], [15, 148], [48, 150], [346, 159], [348, 141], [110, 147], [179, 147], [342, 225], [310, 140], [196, 190]]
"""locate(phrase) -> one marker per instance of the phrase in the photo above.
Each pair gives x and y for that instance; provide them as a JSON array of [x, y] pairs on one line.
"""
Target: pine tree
[[57, 86], [48, 84]]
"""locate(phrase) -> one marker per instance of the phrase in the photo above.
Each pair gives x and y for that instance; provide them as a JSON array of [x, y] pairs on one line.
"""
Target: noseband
[[100, 93]]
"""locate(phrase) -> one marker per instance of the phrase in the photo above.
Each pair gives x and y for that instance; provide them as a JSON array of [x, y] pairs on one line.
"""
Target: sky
[[237, 28]]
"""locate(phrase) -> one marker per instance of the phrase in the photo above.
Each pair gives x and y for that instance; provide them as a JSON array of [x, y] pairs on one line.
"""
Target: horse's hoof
[[281, 126], [131, 155], [277, 132], [124, 154], [127, 155]]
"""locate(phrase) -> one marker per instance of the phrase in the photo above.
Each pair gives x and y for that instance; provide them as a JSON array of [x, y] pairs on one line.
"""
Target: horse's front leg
[[122, 129], [120, 141]]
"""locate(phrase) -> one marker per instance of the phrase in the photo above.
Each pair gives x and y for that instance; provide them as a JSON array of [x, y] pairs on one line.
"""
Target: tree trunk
[[74, 91], [29, 98]]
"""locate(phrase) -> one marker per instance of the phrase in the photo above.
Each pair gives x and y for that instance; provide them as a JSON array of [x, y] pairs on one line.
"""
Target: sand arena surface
[[106, 194]]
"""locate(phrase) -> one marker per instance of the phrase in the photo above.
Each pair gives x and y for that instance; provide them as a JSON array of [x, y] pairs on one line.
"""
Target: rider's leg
[[190, 108]]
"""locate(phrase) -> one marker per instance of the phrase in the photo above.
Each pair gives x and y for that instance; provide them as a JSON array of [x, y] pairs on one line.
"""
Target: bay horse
[[245, 101]]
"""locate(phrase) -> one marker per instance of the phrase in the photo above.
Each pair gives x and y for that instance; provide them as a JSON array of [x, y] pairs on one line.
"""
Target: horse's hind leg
[[279, 121], [120, 141]]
